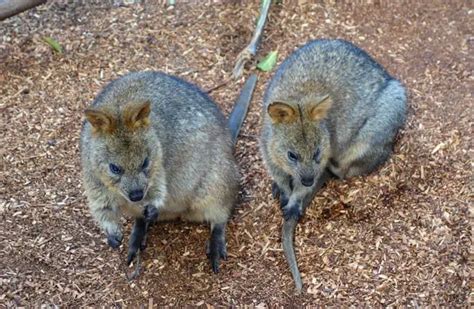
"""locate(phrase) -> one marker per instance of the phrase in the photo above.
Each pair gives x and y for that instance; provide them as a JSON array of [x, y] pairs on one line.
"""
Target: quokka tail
[[237, 116], [288, 232]]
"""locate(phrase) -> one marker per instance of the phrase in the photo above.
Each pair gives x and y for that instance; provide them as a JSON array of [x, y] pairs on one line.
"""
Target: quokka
[[330, 110], [155, 147]]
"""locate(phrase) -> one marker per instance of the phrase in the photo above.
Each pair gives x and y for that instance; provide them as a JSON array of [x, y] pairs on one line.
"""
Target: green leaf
[[267, 63], [53, 44]]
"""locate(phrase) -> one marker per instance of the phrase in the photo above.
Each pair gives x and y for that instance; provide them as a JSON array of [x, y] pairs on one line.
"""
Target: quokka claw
[[223, 253], [275, 190], [283, 200], [277, 193], [215, 265], [150, 214], [131, 256], [143, 243], [137, 239], [215, 252], [114, 240]]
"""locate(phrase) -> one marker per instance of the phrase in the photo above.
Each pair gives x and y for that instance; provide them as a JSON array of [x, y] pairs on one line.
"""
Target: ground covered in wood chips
[[400, 236]]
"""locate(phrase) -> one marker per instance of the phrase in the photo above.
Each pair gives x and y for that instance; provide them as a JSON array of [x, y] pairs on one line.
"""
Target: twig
[[225, 82], [251, 50]]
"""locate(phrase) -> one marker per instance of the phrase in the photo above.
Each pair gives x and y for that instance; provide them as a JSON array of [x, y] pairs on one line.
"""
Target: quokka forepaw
[[294, 211], [114, 240]]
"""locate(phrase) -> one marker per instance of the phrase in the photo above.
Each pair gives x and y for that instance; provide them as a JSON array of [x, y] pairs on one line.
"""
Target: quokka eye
[[317, 155], [293, 157], [146, 163], [115, 169]]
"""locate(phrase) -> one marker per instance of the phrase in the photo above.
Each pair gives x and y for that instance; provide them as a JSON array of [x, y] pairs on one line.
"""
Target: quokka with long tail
[[330, 110]]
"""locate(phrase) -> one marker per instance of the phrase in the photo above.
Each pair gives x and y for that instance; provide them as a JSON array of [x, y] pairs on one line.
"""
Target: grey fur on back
[[353, 80], [367, 103]]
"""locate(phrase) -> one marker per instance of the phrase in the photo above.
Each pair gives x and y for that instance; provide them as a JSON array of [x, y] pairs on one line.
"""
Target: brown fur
[[136, 116], [319, 110], [282, 113], [102, 121]]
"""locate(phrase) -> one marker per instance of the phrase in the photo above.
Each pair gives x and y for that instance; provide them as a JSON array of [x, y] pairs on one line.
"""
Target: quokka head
[[299, 144], [124, 149]]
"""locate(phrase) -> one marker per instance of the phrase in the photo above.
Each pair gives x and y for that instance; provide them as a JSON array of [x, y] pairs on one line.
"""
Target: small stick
[[225, 82], [251, 50]]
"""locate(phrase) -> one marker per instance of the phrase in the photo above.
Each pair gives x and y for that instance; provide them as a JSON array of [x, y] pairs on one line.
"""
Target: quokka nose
[[136, 195], [307, 181]]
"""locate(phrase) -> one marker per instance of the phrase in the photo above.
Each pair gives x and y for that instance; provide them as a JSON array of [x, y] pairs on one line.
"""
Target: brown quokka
[[329, 110], [155, 147]]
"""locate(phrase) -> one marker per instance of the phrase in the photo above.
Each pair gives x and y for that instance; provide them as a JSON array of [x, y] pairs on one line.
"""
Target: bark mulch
[[400, 236]]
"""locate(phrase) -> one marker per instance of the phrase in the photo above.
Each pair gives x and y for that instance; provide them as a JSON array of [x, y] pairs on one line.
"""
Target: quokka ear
[[282, 113], [137, 115], [101, 121], [320, 109]]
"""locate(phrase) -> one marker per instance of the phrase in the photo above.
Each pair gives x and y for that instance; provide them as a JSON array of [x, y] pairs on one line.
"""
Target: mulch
[[398, 237]]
